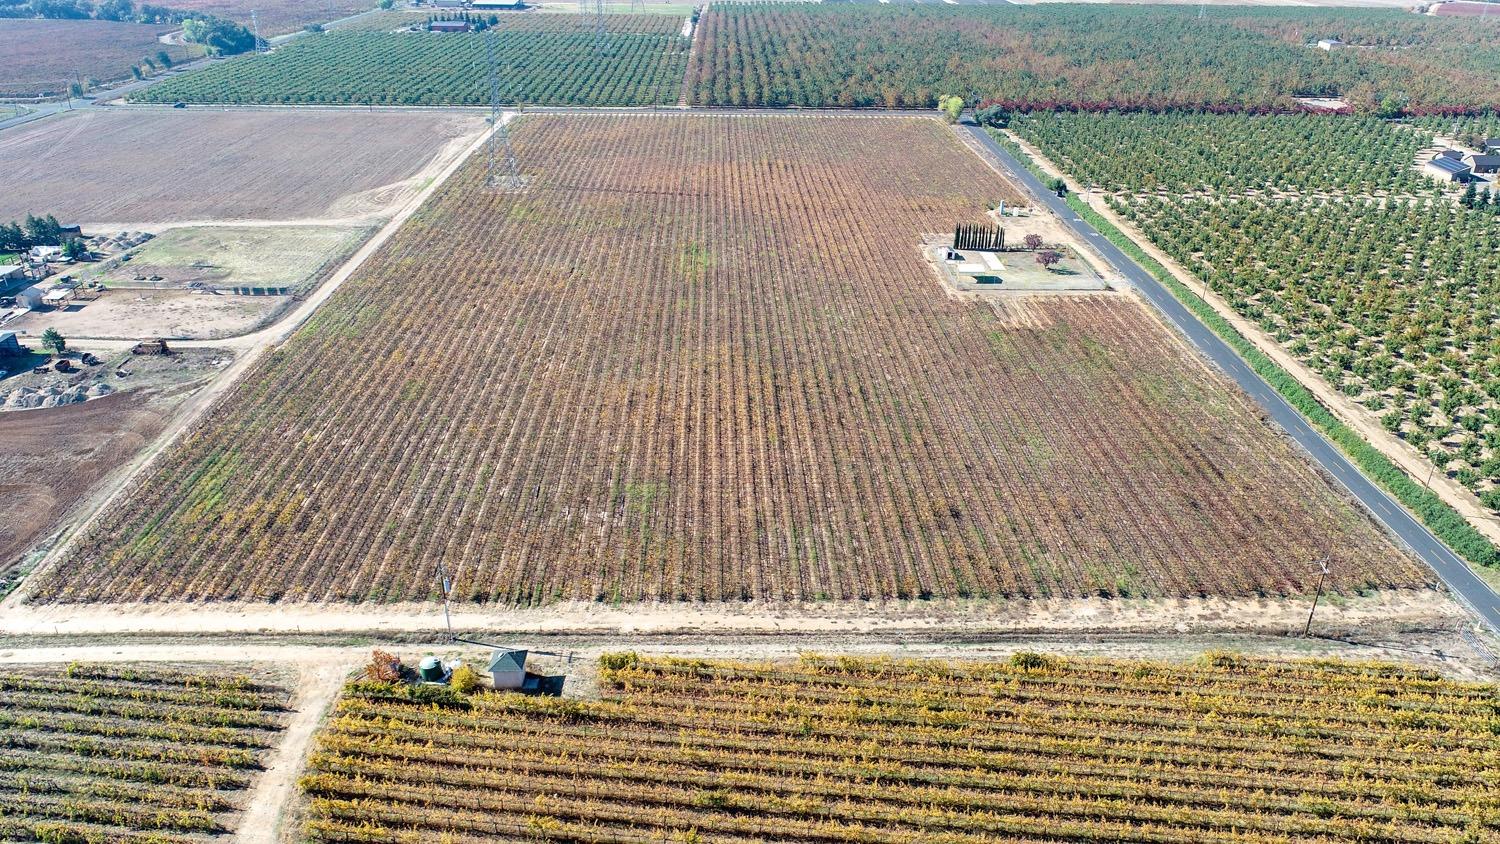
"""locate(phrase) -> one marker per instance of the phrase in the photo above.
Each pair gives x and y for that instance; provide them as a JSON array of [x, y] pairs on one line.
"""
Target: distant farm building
[[46, 253], [1446, 168], [1484, 163], [449, 26], [448, 4], [495, 5], [1329, 44], [508, 669], [1491, 145], [9, 345]]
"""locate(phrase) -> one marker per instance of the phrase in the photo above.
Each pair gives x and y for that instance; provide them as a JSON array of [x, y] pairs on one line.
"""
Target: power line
[[503, 171], [599, 30]]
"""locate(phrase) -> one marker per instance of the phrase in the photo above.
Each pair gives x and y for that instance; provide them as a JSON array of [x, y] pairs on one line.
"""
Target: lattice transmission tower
[[503, 172], [255, 28]]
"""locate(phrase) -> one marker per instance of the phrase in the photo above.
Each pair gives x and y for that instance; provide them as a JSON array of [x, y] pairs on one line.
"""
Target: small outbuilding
[[508, 669], [449, 26], [30, 298], [1492, 145], [1328, 44], [9, 345], [11, 272], [1447, 169]]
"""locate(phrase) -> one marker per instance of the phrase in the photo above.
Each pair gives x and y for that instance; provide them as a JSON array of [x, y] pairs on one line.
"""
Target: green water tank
[[431, 669]]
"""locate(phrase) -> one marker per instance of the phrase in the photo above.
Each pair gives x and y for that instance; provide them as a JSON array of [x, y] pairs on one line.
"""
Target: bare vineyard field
[[113, 754], [43, 57], [142, 167], [277, 16], [701, 358], [1037, 749]]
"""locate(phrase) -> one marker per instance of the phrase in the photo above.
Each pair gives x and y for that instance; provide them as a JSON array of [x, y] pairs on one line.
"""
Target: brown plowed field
[[701, 358], [42, 57], [50, 458], [151, 167]]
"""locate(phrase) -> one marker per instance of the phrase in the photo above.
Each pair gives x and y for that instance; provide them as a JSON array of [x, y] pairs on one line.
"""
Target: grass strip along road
[[1448, 566]]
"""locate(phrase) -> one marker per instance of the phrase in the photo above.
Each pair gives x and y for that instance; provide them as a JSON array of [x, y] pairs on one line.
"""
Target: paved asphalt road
[[1453, 571]]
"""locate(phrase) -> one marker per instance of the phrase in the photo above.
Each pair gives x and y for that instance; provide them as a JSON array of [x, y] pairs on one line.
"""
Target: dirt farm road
[[1463, 582]]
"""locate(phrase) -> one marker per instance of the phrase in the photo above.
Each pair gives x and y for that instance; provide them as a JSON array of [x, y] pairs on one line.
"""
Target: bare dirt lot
[[137, 169], [135, 314], [200, 282], [51, 457], [43, 56]]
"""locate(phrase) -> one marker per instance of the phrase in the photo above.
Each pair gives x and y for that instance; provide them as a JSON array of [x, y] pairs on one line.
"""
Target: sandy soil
[[103, 167], [1351, 413]]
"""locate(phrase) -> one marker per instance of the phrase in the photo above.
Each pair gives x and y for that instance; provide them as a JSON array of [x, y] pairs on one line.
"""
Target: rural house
[[448, 26], [508, 668], [1447, 168]]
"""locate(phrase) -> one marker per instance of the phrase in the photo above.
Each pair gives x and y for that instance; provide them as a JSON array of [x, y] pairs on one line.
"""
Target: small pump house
[[508, 669]]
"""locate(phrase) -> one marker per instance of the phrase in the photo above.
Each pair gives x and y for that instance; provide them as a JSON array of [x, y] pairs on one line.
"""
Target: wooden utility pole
[[1322, 576]]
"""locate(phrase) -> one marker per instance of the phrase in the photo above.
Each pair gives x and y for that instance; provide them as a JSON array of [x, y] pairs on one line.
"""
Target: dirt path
[[1346, 409], [249, 348], [1276, 616], [271, 794]]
